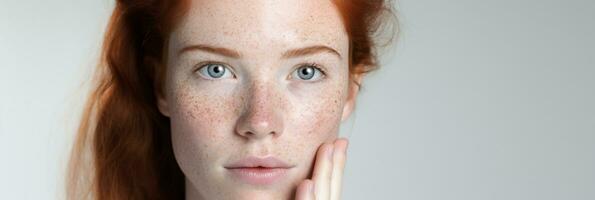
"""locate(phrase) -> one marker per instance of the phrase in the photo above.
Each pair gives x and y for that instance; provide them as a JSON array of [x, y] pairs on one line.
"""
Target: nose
[[262, 116]]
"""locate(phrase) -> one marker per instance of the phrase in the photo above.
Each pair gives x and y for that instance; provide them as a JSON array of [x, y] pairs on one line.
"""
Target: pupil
[[216, 71], [306, 73]]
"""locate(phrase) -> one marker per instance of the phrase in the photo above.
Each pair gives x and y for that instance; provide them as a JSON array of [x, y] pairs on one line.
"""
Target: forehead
[[261, 25]]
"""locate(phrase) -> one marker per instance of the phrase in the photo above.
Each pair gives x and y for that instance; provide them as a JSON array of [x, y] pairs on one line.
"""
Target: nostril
[[259, 125]]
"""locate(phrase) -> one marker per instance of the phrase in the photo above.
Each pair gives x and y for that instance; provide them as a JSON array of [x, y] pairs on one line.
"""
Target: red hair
[[123, 147]]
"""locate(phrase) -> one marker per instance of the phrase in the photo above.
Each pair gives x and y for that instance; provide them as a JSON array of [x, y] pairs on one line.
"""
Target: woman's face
[[254, 79]]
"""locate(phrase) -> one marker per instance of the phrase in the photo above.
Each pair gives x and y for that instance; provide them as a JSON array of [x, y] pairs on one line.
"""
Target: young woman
[[224, 99]]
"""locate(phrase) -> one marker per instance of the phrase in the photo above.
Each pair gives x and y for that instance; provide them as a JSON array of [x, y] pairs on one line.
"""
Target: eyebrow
[[211, 49], [310, 51], [288, 54]]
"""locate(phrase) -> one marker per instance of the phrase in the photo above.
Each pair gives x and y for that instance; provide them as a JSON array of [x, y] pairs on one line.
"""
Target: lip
[[259, 171]]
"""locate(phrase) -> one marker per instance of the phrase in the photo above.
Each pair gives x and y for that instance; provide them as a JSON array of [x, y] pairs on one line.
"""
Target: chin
[[278, 191], [261, 194]]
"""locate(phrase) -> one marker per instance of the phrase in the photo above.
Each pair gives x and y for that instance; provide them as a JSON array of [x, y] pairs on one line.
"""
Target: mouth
[[259, 171]]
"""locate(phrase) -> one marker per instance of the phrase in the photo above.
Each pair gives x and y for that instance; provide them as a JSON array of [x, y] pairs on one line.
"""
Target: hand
[[328, 172]]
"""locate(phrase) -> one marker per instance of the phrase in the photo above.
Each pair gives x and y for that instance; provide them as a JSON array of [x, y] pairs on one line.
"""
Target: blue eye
[[308, 72], [215, 71]]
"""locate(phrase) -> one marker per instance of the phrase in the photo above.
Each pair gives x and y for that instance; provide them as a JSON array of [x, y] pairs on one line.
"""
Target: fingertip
[[342, 142], [305, 190], [330, 151], [326, 150], [341, 145]]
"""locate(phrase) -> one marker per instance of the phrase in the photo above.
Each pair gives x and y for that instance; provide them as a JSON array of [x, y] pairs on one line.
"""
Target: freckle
[[191, 114]]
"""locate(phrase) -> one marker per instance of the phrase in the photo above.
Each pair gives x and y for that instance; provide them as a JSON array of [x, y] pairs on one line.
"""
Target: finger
[[305, 190], [339, 157], [323, 171]]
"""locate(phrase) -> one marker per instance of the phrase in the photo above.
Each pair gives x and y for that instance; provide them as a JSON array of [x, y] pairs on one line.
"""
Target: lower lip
[[258, 175]]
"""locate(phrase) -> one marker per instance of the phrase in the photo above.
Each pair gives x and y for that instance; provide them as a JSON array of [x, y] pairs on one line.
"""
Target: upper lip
[[252, 161]]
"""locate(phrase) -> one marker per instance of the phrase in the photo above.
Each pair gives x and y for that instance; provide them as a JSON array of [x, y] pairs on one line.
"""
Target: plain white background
[[478, 100]]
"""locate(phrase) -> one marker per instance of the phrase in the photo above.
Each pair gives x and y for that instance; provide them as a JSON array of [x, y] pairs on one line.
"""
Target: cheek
[[201, 112], [319, 106], [199, 123], [196, 116], [313, 121], [319, 116]]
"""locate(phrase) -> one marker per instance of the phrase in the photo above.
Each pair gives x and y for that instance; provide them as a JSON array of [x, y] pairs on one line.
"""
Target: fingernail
[[330, 151], [310, 186]]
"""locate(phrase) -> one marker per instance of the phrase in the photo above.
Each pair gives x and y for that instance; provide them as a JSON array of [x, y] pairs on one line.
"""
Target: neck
[[191, 191]]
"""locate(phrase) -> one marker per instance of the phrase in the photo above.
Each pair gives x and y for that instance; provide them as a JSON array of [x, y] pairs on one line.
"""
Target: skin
[[260, 108]]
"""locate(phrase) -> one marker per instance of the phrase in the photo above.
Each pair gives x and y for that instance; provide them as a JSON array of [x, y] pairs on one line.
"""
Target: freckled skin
[[288, 118]]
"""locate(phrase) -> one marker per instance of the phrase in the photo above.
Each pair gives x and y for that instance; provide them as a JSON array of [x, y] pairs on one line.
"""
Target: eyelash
[[311, 64], [315, 65], [201, 65]]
